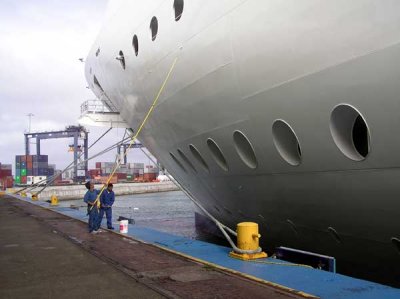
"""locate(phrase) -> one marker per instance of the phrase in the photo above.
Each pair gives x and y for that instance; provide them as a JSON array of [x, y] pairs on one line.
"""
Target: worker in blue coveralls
[[107, 200], [92, 209]]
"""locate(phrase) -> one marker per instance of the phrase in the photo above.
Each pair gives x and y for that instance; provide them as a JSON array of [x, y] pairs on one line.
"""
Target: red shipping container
[[23, 179], [121, 176], [8, 182], [29, 165], [149, 177], [98, 164], [5, 173], [23, 158], [29, 158]]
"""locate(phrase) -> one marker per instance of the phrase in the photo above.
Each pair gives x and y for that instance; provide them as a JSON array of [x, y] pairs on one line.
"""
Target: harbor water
[[170, 212]]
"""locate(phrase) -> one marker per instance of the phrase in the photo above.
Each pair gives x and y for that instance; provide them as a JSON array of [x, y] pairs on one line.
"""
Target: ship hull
[[241, 67]]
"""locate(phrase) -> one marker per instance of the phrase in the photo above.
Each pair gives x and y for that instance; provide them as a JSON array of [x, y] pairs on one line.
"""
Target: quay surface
[[68, 192], [45, 254]]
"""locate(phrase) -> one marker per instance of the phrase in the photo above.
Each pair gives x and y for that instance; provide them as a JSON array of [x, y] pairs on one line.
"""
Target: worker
[[107, 200], [92, 209]]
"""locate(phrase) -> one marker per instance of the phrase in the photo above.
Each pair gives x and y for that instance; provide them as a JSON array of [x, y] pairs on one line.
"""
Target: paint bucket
[[123, 226]]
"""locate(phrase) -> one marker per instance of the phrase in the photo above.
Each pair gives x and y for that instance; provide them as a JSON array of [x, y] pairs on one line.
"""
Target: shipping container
[[50, 171], [40, 158], [29, 165], [149, 177], [52, 166], [23, 172], [5, 173], [98, 164], [17, 159], [6, 166], [41, 172], [17, 179], [23, 179], [23, 164], [18, 165], [39, 179], [35, 172], [121, 176], [103, 179], [29, 171], [40, 165], [23, 158], [29, 158]]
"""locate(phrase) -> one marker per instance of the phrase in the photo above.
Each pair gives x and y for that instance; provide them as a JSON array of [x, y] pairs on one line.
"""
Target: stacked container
[[6, 178], [32, 166]]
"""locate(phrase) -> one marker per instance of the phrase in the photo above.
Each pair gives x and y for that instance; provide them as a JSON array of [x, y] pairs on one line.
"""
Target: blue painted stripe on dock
[[319, 283]]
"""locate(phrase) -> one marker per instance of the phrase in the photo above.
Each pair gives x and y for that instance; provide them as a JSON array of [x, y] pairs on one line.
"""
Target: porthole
[[177, 162], [396, 244], [121, 59], [217, 154], [187, 161], [245, 149], [334, 234], [196, 154], [154, 28], [97, 83], [286, 142], [350, 132], [135, 44], [227, 210], [292, 226], [178, 8]]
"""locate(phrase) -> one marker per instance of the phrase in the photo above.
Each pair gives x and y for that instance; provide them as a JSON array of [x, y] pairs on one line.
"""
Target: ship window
[[135, 44], [184, 158], [121, 59], [178, 8], [198, 157], [154, 28], [396, 243], [177, 162], [245, 149], [334, 234], [286, 142], [96, 82], [97, 52], [217, 154], [350, 132]]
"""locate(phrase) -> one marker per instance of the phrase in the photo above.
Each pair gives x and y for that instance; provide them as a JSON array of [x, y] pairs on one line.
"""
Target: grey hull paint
[[241, 66]]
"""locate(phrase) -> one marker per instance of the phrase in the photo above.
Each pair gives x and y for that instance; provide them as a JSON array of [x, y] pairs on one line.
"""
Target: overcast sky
[[40, 44]]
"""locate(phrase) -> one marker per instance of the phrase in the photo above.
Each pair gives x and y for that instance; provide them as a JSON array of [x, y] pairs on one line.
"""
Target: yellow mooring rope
[[117, 164]]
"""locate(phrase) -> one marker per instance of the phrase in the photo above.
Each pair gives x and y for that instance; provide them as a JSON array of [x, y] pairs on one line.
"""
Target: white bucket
[[123, 226]]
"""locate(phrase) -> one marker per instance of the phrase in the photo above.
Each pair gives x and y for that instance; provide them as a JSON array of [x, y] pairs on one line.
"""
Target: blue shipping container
[[42, 171]]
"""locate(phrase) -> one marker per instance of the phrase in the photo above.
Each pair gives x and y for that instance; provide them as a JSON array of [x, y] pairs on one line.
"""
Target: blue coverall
[[107, 200], [90, 198]]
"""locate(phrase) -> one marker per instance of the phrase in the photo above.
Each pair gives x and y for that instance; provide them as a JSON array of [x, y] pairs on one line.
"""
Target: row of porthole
[[178, 10], [348, 128]]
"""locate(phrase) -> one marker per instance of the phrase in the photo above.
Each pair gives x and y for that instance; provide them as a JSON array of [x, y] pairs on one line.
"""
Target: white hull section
[[261, 67]]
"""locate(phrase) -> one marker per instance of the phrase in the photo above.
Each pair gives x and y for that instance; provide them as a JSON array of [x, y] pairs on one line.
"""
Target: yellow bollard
[[53, 200], [23, 194], [35, 197], [248, 239]]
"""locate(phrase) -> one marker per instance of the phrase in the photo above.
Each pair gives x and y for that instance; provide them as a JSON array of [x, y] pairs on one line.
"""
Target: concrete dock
[[68, 192], [45, 254]]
